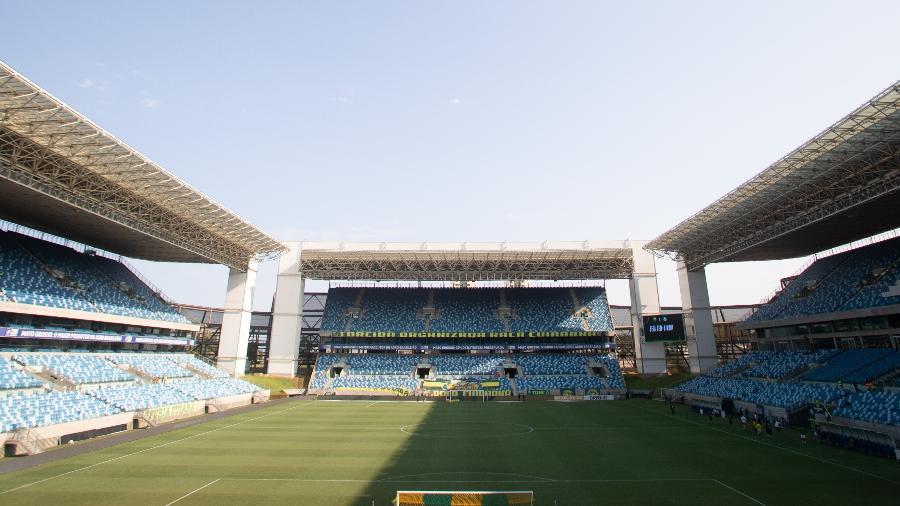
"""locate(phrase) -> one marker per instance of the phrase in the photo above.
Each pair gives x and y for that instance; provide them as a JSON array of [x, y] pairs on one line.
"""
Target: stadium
[[443, 372]]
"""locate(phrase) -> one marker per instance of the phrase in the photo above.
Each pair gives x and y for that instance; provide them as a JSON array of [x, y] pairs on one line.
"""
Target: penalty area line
[[739, 492], [192, 492]]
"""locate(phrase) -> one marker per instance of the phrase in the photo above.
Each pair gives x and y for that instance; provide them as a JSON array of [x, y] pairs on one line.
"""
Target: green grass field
[[360, 453]]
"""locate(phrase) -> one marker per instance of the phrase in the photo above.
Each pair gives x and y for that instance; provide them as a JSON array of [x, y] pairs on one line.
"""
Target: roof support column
[[287, 312], [650, 357], [698, 324], [236, 320]]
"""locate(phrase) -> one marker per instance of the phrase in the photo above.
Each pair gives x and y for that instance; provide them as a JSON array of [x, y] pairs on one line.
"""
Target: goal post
[[464, 498]]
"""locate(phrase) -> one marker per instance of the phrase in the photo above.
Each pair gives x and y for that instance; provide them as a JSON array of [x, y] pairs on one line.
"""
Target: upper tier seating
[[334, 317], [42, 273], [537, 363], [373, 363], [594, 299], [785, 395], [856, 279], [77, 368], [391, 310], [154, 366], [468, 310], [541, 309], [25, 411], [24, 279], [13, 379], [874, 407], [140, 396], [855, 366]]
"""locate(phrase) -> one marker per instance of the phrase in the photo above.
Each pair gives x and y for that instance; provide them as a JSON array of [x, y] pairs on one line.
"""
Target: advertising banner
[[65, 335]]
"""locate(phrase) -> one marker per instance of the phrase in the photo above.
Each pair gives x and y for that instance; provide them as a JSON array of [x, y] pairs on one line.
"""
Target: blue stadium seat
[[46, 274], [12, 378], [26, 411], [77, 368], [874, 407]]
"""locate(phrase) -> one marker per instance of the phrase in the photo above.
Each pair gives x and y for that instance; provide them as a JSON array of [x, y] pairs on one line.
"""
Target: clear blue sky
[[460, 121]]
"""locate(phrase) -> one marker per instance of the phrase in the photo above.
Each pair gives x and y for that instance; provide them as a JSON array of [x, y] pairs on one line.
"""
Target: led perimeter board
[[664, 327]]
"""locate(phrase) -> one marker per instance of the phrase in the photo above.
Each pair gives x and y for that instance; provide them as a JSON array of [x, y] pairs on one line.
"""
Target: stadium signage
[[664, 327], [63, 335], [426, 347], [471, 335]]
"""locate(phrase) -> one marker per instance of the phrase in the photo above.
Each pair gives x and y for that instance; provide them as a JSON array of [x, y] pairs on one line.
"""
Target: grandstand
[[48, 398], [82, 333], [88, 344]]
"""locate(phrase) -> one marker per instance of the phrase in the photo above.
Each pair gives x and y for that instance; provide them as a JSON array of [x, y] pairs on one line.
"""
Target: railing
[[82, 248], [32, 441], [884, 236]]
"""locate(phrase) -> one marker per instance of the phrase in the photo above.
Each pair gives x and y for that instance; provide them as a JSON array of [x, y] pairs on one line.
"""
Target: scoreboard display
[[664, 327]]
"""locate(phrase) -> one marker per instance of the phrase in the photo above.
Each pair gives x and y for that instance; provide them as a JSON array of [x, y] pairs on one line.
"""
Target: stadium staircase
[[576, 304], [143, 376], [49, 269], [28, 442], [356, 307]]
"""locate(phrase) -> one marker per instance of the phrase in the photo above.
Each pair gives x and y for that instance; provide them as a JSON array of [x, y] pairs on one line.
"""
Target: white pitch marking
[[529, 476], [192, 492], [146, 450], [739, 492], [779, 447], [528, 430]]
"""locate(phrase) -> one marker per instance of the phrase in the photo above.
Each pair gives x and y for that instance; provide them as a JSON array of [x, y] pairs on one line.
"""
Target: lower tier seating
[[77, 368], [14, 379], [786, 395], [559, 382], [855, 366], [140, 396], [210, 389], [875, 407], [26, 411], [154, 366], [542, 371], [376, 382]]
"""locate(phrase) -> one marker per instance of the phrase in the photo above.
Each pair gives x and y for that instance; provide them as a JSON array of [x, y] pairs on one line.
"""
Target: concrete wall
[[698, 324], [284, 343], [650, 357], [236, 320]]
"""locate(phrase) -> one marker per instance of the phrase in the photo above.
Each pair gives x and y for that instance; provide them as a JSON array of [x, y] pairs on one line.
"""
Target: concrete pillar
[[287, 313], [698, 323], [650, 357], [236, 320]]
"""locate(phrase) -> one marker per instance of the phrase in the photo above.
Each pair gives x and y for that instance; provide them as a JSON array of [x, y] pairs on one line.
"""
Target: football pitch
[[360, 453]]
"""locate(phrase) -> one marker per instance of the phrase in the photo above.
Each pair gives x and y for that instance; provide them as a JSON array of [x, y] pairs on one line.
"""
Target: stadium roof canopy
[[840, 186], [466, 261], [62, 174]]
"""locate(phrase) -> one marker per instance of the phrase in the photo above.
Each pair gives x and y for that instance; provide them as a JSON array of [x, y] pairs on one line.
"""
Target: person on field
[[744, 422]]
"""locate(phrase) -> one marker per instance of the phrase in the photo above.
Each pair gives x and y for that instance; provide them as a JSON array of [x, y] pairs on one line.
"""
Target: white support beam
[[287, 314], [698, 324], [236, 320], [650, 357]]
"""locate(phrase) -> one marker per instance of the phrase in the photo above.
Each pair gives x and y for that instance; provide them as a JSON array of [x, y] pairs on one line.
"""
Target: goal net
[[464, 498]]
